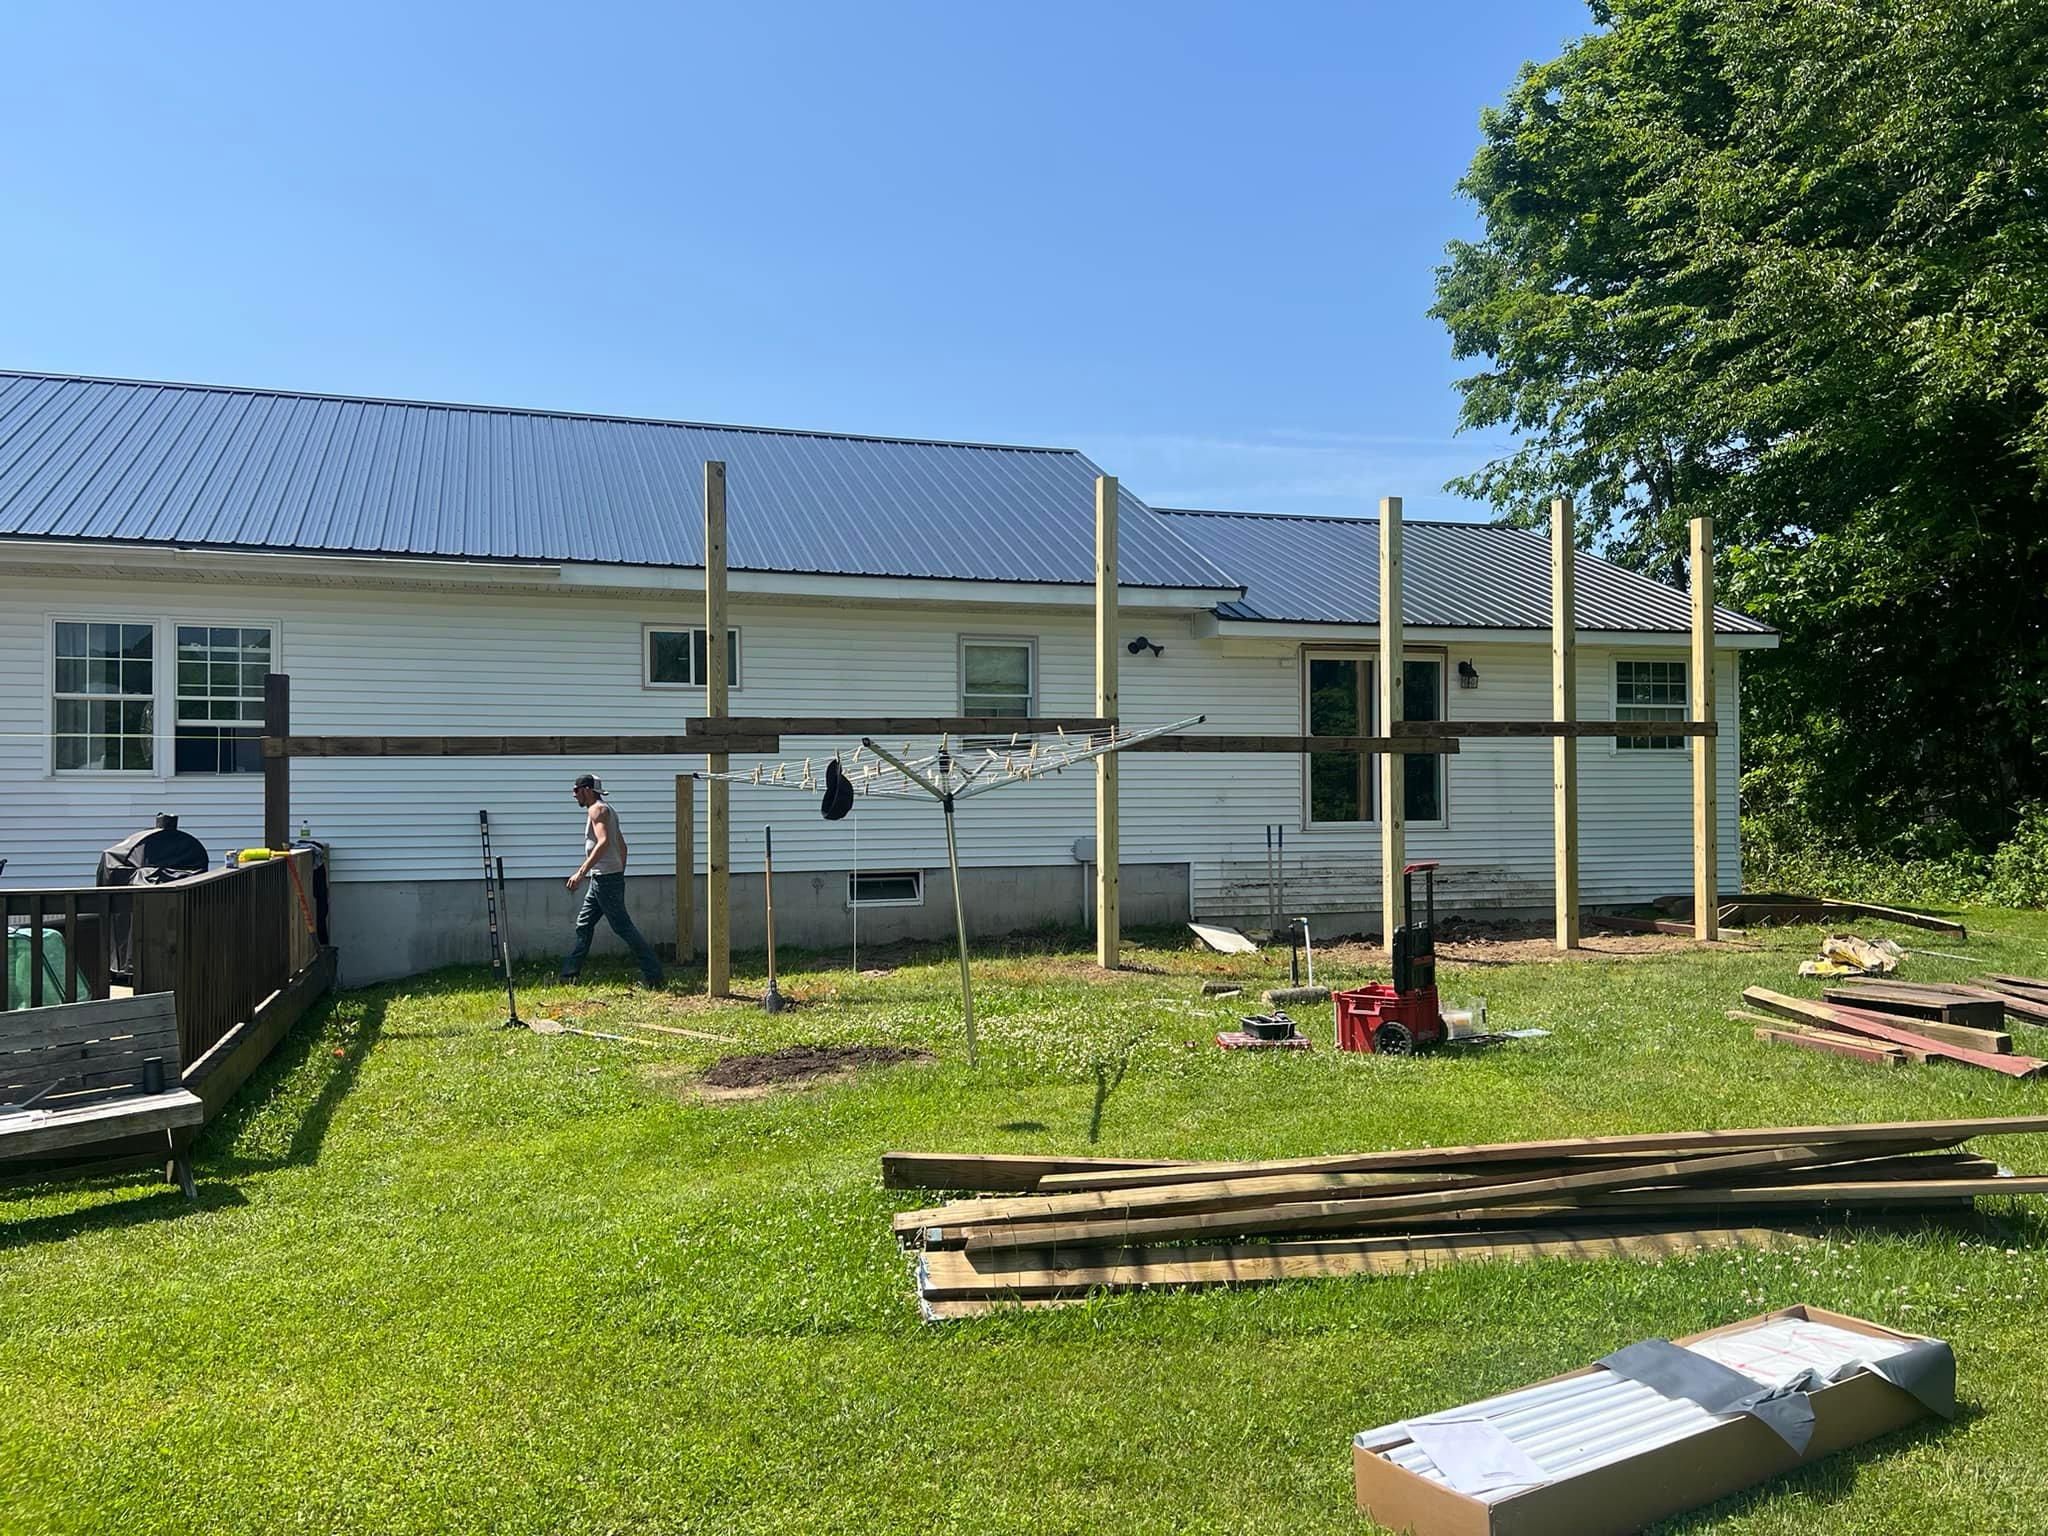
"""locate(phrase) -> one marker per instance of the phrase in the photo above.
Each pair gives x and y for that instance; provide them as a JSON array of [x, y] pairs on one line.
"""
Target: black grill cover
[[156, 856]]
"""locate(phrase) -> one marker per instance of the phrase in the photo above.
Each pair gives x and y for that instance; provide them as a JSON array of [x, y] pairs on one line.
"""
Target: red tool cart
[[1406, 1016]]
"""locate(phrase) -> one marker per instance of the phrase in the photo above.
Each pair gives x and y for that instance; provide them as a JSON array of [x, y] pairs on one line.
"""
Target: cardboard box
[[1664, 1480]]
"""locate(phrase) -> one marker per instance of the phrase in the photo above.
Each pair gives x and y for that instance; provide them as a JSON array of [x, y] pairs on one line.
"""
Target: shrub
[[1780, 853]]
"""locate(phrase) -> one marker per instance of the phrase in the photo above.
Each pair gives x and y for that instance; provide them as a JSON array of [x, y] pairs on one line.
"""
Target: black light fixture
[[1142, 644], [1468, 675]]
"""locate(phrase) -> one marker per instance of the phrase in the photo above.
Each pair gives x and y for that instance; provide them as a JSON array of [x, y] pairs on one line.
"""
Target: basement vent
[[886, 888]]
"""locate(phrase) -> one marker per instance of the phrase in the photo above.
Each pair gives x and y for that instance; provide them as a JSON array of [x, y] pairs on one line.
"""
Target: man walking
[[604, 866]]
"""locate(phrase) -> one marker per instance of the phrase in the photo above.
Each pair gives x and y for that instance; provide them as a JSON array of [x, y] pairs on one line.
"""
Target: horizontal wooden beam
[[508, 746], [1184, 743], [1551, 728], [763, 735], [898, 725]]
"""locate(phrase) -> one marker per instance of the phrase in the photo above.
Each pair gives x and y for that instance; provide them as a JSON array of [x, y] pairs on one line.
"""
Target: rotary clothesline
[[960, 772], [946, 775]]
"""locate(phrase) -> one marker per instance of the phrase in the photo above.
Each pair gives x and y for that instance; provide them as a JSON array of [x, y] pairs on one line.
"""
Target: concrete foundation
[[401, 928]]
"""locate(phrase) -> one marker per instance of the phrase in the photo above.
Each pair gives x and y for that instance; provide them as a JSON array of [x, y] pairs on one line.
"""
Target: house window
[[998, 677], [219, 719], [103, 697], [1342, 786], [1422, 698], [886, 888], [1649, 690], [676, 658]]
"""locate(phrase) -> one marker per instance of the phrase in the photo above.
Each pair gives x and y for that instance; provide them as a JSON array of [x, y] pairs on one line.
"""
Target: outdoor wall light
[[1142, 644], [1468, 675]]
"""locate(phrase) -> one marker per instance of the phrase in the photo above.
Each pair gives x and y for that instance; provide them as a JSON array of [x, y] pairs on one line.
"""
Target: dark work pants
[[605, 896]]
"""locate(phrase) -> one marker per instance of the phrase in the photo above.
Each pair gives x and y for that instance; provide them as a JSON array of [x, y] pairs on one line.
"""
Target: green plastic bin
[[21, 959]]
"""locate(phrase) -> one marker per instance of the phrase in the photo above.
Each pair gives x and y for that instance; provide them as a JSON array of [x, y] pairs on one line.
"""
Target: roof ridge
[[534, 411]]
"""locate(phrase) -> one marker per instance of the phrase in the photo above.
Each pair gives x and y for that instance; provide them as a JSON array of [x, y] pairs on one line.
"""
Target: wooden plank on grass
[[2031, 984], [959, 1275], [1935, 1132], [1833, 1045], [1232, 1194], [2022, 1006], [1858, 1022], [1849, 1192], [1979, 1011], [1306, 1216], [995, 1171]]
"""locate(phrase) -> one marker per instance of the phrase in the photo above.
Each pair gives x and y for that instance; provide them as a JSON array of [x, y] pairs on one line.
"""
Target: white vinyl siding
[[396, 662]]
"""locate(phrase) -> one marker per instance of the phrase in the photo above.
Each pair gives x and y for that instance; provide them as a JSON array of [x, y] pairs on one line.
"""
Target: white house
[[425, 568]]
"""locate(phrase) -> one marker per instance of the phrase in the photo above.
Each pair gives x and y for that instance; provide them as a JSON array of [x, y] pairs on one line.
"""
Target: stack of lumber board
[[1047, 1230], [1759, 908], [2024, 997], [1889, 1030]]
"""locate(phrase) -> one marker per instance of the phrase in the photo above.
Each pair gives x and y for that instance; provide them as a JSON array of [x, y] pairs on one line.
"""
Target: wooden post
[[1393, 766], [1108, 930], [1564, 705], [1706, 881], [277, 771], [717, 793], [686, 869]]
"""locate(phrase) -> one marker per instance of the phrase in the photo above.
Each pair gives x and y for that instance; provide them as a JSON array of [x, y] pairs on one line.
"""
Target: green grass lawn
[[447, 1277]]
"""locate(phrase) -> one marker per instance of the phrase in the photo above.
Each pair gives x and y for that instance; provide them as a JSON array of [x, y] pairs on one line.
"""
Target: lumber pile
[[1044, 1231], [1862, 1033]]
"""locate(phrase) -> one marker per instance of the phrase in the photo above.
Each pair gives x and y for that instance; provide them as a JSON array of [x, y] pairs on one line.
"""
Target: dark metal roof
[[1326, 570], [184, 464]]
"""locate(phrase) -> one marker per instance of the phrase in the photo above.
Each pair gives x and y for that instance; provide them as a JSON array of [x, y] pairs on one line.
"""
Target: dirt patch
[[795, 1066], [1470, 941]]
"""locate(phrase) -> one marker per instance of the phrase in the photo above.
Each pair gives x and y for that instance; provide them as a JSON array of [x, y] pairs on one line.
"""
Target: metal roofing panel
[[1326, 570], [252, 469]]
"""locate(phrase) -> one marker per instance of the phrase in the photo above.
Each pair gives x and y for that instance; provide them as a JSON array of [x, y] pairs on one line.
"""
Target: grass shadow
[[165, 1203], [1827, 1481], [285, 1086]]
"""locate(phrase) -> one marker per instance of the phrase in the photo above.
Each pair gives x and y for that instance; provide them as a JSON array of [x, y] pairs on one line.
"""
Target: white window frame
[[1615, 748], [916, 875], [1030, 646], [155, 700], [649, 630], [1371, 655], [167, 710]]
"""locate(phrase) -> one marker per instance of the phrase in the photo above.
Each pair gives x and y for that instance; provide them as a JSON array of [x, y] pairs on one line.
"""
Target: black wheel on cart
[[1392, 1039]]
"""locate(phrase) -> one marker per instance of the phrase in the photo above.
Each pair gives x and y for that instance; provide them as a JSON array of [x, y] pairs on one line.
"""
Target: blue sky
[[1195, 240]]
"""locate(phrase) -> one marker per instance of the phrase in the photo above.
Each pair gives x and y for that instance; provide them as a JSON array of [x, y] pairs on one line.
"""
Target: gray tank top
[[612, 862]]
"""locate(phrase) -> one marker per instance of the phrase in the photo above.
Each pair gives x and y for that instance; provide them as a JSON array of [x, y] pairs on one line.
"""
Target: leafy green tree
[[1785, 262]]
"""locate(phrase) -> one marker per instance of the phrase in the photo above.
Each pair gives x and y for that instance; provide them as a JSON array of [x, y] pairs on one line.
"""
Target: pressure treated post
[[717, 793], [1564, 705], [277, 771], [686, 869], [1706, 891], [1107, 857], [1393, 766]]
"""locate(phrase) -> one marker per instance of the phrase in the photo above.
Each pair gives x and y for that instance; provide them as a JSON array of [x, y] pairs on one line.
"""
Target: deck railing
[[221, 942]]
